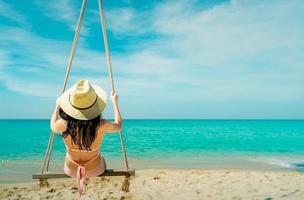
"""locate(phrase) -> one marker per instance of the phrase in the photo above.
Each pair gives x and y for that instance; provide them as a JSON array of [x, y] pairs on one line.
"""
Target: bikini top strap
[[81, 150]]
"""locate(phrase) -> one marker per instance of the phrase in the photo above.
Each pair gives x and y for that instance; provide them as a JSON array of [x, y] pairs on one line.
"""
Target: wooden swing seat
[[108, 172]]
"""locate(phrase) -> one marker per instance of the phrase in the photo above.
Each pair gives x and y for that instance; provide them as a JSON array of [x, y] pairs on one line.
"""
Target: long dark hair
[[82, 132]]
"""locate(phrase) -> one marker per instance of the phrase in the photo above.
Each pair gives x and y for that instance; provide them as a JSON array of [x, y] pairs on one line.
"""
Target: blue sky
[[171, 59]]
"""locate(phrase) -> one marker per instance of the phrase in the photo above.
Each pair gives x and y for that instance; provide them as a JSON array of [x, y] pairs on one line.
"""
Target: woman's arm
[[117, 115], [116, 126], [57, 125]]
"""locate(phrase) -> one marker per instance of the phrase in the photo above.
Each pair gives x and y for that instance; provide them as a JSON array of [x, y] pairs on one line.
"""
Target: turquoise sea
[[237, 144]]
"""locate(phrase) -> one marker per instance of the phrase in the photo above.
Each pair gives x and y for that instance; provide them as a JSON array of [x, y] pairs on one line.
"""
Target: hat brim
[[86, 114]]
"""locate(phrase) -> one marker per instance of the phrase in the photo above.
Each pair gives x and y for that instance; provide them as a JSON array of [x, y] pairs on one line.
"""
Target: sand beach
[[175, 184]]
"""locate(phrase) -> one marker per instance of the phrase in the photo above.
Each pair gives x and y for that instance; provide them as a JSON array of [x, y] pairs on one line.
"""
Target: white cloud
[[66, 12], [61, 11], [44, 64], [9, 12], [232, 51], [127, 21], [32, 88]]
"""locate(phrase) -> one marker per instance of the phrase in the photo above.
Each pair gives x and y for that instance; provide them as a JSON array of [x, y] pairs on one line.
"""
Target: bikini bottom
[[82, 173]]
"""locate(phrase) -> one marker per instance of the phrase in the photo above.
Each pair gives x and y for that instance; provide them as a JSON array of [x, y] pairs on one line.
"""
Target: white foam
[[286, 163]]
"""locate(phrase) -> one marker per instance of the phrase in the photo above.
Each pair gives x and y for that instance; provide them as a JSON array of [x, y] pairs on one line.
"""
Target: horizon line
[[171, 119]]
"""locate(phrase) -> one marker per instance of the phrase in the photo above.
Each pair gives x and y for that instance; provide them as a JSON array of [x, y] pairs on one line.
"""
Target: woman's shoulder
[[103, 125], [109, 127], [60, 126]]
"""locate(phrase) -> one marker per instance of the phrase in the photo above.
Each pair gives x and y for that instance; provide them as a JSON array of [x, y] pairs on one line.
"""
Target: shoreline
[[20, 171], [171, 184], [278, 171]]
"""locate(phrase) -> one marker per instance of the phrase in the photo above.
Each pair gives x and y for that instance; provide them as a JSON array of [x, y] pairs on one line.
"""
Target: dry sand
[[172, 184]]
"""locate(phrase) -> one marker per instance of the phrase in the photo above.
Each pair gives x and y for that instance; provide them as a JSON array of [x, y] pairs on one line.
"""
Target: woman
[[82, 128]]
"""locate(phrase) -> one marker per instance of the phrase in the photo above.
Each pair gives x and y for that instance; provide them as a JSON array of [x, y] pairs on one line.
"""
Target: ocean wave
[[286, 163]]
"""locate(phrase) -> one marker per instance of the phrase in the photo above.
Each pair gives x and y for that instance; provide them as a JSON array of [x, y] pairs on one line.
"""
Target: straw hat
[[83, 101]]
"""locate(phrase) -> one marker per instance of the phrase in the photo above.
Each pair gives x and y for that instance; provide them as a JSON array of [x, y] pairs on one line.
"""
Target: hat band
[[83, 108]]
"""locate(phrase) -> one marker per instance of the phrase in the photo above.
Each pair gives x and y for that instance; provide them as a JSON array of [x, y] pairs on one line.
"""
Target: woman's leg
[[69, 172]]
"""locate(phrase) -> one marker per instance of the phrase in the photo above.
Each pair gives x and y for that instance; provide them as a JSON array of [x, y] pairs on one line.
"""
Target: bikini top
[[68, 140]]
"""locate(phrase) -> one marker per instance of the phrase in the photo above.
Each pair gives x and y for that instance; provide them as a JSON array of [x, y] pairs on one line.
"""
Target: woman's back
[[80, 155]]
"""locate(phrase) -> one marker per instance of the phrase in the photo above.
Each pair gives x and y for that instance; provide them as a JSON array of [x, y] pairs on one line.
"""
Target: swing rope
[[48, 153], [106, 44]]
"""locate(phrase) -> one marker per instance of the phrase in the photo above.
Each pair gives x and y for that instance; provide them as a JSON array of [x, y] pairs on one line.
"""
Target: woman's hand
[[116, 126], [114, 98]]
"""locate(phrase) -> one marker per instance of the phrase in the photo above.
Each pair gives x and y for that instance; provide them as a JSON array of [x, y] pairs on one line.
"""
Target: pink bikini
[[81, 170]]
